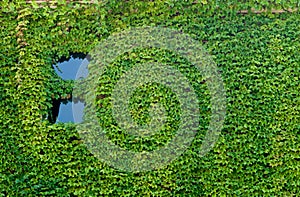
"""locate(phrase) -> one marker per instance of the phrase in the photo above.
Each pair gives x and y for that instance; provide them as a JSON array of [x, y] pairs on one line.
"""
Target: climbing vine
[[257, 55]]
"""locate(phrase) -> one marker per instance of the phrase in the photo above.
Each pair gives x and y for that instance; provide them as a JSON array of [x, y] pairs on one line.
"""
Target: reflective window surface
[[67, 69]]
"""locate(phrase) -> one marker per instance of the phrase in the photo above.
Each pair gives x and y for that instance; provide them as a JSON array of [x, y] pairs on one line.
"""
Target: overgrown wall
[[257, 152]]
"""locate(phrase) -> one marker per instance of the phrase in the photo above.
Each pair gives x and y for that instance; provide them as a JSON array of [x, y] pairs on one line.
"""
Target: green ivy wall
[[258, 151]]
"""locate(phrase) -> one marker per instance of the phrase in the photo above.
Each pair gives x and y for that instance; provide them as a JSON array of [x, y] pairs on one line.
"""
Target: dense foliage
[[258, 152]]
